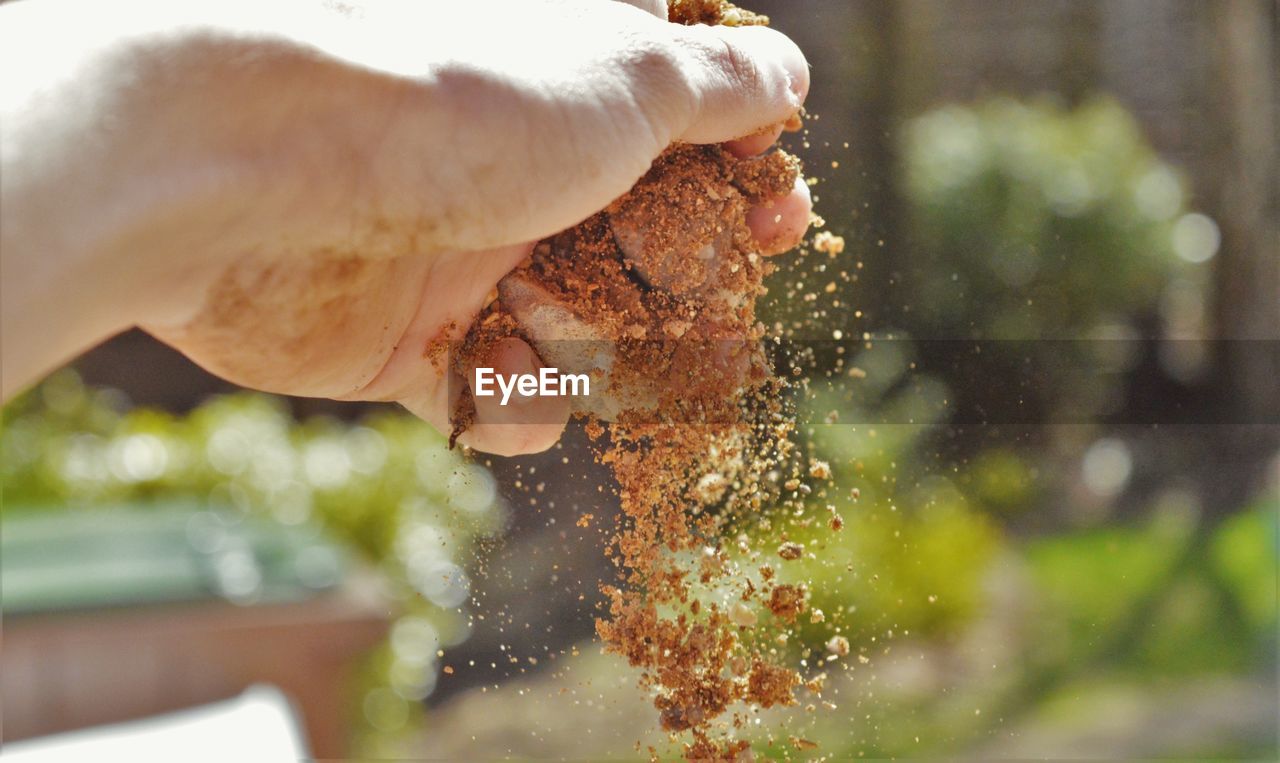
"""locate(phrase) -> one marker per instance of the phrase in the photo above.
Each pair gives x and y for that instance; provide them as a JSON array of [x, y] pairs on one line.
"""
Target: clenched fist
[[302, 196]]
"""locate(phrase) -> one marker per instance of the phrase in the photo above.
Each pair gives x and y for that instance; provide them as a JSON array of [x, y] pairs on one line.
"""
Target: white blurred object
[[1196, 237], [1106, 467], [258, 726]]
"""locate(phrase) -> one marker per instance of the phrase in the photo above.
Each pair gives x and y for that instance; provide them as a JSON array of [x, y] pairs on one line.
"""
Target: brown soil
[[666, 280]]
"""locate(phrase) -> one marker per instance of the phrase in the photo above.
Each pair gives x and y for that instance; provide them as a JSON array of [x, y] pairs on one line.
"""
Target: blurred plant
[[979, 629], [1167, 597], [915, 543], [386, 486], [914, 549], [1138, 612], [1041, 222], [1030, 222]]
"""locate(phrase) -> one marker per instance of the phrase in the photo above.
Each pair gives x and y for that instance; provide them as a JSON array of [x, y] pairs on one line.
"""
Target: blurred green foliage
[[1026, 221], [1163, 598], [962, 631], [387, 487], [1052, 232], [914, 549], [1032, 221]]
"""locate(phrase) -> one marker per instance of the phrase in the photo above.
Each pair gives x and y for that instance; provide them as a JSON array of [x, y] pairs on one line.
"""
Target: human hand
[[310, 196]]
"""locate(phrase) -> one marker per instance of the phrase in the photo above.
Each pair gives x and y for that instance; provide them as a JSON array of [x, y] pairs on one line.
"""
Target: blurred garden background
[[1058, 456]]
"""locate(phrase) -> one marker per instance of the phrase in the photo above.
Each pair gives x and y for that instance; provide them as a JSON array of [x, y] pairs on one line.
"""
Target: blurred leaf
[[1246, 552]]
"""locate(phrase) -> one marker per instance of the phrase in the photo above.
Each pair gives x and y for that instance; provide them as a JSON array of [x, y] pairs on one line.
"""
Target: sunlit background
[[1056, 448]]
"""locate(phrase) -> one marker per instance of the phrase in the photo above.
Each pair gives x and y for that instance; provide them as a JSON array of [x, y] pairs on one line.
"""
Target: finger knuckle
[[657, 81], [737, 65]]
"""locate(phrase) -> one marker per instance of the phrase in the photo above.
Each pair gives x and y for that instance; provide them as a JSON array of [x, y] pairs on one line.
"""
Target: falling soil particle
[[666, 279], [790, 551]]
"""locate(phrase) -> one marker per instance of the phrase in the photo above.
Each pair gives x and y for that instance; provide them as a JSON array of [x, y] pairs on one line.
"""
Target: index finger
[[742, 79]]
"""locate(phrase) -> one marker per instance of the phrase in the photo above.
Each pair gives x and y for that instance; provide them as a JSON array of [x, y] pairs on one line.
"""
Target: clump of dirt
[[712, 12], [656, 296]]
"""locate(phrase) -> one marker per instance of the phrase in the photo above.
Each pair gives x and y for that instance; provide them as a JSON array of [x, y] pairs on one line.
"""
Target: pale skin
[[300, 196]]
